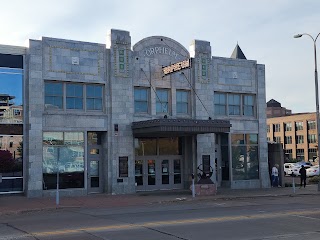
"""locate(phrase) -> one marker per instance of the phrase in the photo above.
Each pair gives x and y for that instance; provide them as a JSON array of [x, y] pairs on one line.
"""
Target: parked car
[[296, 169], [304, 163], [287, 167], [313, 171]]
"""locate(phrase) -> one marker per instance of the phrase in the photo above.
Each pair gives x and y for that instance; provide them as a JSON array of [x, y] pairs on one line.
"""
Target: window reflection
[[66, 156], [245, 158], [11, 122]]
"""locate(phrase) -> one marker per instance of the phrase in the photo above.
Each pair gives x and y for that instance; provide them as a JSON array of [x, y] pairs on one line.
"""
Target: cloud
[[263, 29]]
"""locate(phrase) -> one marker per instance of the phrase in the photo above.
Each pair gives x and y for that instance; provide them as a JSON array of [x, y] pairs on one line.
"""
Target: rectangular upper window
[[162, 96], [299, 126], [288, 140], [220, 104], [248, 105], [288, 126], [299, 139], [53, 95], [276, 127], [77, 96], [94, 97], [311, 125], [234, 104], [141, 100], [182, 98], [74, 96], [312, 138]]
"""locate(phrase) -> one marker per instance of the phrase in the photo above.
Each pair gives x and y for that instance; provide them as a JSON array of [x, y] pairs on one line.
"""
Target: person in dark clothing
[[303, 176]]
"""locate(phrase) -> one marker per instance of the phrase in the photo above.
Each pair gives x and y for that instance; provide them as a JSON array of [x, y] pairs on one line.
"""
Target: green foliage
[[314, 179]]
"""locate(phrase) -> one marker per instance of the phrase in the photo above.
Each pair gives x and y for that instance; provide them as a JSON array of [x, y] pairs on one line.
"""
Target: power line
[[196, 94], [153, 89]]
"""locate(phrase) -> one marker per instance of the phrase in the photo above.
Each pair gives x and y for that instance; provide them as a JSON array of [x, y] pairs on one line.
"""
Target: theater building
[[120, 118]]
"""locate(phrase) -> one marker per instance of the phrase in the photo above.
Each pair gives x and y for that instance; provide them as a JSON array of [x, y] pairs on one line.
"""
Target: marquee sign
[[176, 67]]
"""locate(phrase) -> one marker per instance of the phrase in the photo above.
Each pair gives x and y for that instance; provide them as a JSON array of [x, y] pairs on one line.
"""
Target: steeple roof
[[237, 53], [273, 103]]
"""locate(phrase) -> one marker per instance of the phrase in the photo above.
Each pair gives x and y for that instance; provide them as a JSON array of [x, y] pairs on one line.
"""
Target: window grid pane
[[74, 99], [182, 102], [141, 100], [162, 101], [94, 97], [248, 105], [234, 104], [53, 95], [220, 105]]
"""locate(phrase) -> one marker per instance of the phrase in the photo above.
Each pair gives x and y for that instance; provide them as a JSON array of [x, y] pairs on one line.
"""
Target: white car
[[287, 168], [296, 169], [313, 171]]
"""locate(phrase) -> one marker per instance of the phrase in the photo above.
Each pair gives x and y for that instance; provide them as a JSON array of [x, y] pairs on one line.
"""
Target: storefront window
[[166, 146], [11, 123], [245, 160], [146, 147], [63, 153], [169, 146]]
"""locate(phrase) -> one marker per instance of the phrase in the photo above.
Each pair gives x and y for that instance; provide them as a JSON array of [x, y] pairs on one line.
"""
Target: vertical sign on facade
[[123, 166], [206, 164]]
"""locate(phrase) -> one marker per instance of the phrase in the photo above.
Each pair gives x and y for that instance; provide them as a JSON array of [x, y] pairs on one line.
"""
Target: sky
[[264, 30]]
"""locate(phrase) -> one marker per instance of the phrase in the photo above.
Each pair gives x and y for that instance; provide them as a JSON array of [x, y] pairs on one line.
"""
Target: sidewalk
[[15, 204]]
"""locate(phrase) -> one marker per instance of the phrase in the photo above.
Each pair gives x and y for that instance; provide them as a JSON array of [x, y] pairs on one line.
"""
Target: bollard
[[293, 184]]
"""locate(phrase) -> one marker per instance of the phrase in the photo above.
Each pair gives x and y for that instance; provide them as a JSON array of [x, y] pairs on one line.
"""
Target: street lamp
[[316, 86]]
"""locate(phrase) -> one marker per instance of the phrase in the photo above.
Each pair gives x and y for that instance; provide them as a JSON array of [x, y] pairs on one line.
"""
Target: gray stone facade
[[119, 67]]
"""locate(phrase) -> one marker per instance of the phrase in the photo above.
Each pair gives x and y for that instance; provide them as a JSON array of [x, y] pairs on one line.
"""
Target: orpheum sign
[[176, 67]]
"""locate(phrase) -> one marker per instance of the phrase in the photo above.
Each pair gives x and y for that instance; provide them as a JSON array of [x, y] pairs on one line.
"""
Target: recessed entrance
[[94, 162], [158, 173]]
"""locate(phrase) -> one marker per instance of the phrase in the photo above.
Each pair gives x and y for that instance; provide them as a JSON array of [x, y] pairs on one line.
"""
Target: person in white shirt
[[275, 176]]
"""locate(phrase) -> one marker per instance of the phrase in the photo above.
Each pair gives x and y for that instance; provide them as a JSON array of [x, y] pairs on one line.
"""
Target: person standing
[[275, 176], [303, 176]]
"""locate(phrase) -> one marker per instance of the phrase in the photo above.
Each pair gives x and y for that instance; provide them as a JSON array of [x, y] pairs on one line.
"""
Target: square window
[[121, 59], [121, 66], [203, 61], [204, 73], [121, 52], [204, 67]]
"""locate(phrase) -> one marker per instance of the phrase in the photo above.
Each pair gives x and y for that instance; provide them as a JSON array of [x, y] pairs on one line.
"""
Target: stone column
[[34, 101], [121, 110]]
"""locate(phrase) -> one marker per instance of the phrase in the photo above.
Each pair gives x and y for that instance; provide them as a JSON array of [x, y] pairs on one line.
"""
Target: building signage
[[160, 50], [176, 67]]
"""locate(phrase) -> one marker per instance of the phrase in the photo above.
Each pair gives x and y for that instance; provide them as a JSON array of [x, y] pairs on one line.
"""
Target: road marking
[[165, 223]]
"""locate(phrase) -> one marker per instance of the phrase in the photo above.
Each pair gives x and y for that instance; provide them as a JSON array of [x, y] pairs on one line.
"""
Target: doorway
[[158, 173], [94, 163]]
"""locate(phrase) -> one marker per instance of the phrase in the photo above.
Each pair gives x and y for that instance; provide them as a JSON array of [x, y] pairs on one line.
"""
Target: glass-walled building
[[117, 118], [11, 119]]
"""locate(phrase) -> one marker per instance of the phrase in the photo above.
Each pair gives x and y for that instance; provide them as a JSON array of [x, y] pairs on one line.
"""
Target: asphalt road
[[270, 218]]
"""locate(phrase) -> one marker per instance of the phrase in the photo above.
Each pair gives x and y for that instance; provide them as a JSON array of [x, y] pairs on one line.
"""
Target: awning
[[178, 127]]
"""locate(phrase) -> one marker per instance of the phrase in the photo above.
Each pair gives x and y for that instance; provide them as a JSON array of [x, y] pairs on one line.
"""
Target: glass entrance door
[[146, 173], [94, 166], [158, 173]]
